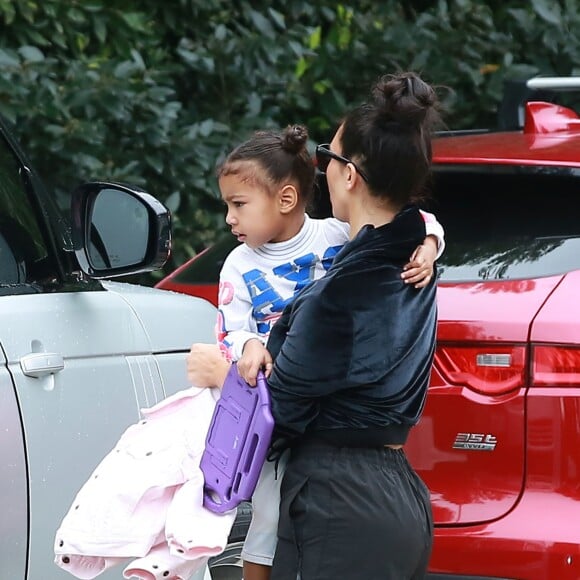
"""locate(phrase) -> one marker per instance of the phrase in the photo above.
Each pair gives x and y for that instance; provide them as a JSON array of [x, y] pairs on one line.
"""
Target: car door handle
[[40, 364]]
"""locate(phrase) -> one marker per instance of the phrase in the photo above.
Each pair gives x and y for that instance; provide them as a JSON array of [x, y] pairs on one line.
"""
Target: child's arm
[[254, 358], [434, 230], [419, 270], [235, 323]]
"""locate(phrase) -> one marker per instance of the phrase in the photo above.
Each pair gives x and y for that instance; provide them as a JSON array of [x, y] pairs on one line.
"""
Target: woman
[[353, 355]]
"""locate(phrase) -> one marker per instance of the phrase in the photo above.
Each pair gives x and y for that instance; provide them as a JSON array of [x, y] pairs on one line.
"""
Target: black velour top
[[355, 348]]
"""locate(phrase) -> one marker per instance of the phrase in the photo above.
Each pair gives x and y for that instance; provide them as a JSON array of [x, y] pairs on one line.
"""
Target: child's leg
[[260, 543], [256, 571]]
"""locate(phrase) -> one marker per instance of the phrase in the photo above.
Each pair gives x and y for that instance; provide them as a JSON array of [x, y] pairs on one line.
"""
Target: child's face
[[253, 214]]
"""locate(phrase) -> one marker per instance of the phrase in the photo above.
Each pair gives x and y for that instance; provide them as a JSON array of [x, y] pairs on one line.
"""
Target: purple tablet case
[[237, 442]]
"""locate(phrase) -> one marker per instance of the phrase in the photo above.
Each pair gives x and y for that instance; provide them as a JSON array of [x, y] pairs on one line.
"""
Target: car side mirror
[[119, 230]]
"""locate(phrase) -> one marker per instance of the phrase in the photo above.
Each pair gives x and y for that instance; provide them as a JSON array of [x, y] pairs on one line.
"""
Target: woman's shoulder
[[330, 293]]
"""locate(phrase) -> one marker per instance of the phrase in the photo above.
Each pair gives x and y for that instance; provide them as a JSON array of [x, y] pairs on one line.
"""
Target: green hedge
[[154, 93]]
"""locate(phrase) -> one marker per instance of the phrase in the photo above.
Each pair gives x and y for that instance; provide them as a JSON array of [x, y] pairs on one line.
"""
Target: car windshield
[[505, 223]]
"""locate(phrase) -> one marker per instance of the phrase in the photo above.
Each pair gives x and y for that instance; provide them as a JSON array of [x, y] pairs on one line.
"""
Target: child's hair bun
[[405, 99], [294, 138]]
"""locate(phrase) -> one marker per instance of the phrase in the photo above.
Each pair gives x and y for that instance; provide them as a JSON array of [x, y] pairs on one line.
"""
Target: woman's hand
[[419, 269], [206, 366], [255, 356]]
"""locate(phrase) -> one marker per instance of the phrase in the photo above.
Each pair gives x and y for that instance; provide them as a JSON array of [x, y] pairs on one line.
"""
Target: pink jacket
[[143, 502]]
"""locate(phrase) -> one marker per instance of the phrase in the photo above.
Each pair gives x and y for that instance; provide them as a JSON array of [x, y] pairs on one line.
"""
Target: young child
[[266, 184]]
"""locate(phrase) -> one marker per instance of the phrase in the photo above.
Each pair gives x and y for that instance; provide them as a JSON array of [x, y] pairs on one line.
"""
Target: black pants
[[352, 514]]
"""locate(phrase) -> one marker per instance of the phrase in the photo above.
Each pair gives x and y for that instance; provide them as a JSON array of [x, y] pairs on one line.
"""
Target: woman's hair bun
[[294, 138], [405, 99]]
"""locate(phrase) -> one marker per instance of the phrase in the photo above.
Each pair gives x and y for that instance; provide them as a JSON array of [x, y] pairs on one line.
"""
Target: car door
[[76, 365]]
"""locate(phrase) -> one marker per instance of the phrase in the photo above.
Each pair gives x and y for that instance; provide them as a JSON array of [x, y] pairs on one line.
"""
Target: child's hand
[[255, 356], [419, 270]]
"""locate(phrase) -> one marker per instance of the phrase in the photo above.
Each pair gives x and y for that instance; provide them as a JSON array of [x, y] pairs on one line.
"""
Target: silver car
[[79, 356]]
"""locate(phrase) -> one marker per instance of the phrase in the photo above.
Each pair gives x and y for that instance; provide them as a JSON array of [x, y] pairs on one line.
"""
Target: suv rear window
[[506, 223]]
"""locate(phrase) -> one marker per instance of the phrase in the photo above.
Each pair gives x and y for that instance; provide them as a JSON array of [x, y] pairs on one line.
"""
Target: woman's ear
[[352, 176], [288, 198]]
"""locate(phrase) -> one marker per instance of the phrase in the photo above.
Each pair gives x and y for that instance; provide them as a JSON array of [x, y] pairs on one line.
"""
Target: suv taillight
[[557, 366], [491, 370]]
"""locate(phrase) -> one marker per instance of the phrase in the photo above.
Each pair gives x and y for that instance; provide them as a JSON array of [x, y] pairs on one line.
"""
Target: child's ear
[[288, 198]]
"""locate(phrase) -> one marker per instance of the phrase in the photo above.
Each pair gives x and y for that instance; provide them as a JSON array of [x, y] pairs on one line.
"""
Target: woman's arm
[[313, 362], [206, 365]]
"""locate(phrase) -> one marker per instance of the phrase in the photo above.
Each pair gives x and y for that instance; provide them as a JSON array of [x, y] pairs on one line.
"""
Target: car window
[[23, 252], [507, 223]]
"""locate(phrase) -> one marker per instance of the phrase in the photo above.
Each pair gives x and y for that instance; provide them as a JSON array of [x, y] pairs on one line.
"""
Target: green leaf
[[138, 59], [8, 11], [549, 12], [301, 67], [35, 37], [320, 87], [262, 24], [100, 27], [31, 54], [173, 201], [135, 20], [254, 105], [220, 32], [76, 16], [206, 127], [420, 60], [314, 38], [550, 39], [278, 18], [125, 69], [92, 6], [55, 130], [8, 60]]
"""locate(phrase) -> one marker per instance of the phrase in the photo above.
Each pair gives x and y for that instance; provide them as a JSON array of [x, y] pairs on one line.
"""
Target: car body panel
[[550, 136], [13, 482], [208, 291], [153, 308], [523, 544], [471, 485], [509, 149], [74, 417], [539, 538], [500, 311], [559, 319]]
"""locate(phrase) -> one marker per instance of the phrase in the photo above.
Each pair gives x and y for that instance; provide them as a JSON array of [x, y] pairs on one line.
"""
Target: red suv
[[499, 442]]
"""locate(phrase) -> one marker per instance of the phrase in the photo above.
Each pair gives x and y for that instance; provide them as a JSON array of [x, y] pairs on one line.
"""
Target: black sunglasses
[[324, 155]]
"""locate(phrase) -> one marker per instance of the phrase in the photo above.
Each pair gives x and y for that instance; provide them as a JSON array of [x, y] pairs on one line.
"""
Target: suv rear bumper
[[538, 540]]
